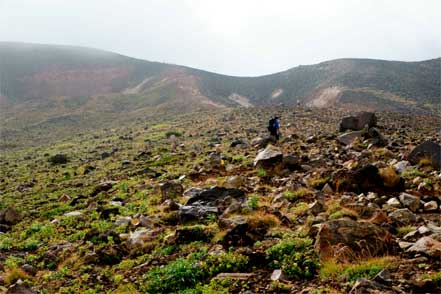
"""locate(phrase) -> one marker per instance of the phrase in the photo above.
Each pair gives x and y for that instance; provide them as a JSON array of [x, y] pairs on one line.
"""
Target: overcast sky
[[236, 37]]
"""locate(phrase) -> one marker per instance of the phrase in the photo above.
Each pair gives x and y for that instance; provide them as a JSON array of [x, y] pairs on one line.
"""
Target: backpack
[[271, 125]]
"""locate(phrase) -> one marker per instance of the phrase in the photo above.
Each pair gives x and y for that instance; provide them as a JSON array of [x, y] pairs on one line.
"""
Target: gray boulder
[[403, 216], [410, 201], [349, 138], [358, 121], [427, 246], [268, 157], [364, 238], [214, 200]]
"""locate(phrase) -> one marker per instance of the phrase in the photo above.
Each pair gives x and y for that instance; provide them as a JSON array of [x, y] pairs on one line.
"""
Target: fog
[[241, 37]]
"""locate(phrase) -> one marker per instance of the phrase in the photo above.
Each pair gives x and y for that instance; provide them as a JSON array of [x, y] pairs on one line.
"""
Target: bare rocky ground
[[203, 203]]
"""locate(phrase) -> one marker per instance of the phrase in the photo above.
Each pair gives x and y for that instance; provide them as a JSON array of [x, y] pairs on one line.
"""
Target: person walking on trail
[[273, 128]]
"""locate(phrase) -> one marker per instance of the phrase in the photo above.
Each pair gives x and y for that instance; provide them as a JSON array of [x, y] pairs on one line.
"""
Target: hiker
[[273, 128]]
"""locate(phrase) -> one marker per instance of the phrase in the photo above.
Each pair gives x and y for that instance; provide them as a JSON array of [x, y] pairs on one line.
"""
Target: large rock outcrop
[[351, 237]]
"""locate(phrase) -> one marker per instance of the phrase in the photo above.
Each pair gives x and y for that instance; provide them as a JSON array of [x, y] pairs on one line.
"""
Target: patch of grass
[[405, 230], [168, 134], [259, 219], [238, 158], [127, 264], [253, 202], [14, 274], [301, 208], [297, 194], [42, 231], [436, 278], [261, 173], [333, 206], [13, 262], [344, 212], [225, 262], [6, 243], [319, 183], [186, 273], [425, 162], [349, 272], [166, 159], [295, 256], [279, 287], [62, 208], [410, 173]]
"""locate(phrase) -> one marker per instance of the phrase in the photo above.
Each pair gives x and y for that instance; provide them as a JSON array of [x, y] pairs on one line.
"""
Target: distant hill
[[42, 84]]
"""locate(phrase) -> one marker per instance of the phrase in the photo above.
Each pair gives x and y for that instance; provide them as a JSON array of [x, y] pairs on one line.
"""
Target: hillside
[[163, 207], [51, 86]]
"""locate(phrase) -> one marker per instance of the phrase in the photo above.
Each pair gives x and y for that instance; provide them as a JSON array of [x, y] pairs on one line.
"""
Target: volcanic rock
[[269, 157], [427, 150], [365, 238], [359, 121]]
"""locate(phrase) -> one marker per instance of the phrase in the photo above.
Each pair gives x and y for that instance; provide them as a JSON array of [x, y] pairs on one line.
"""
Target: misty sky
[[236, 37]]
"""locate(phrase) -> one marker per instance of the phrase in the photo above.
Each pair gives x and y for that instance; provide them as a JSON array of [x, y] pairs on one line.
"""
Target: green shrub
[[410, 173], [225, 262], [187, 273], [261, 173], [177, 275], [238, 158], [171, 133], [363, 271], [351, 272], [295, 256], [6, 243], [294, 195], [253, 202], [436, 278]]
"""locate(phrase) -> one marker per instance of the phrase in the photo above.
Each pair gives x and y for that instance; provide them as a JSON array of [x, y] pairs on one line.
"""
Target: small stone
[[277, 275], [363, 285], [73, 214], [401, 166], [20, 288], [29, 269], [431, 206], [417, 180], [427, 246], [327, 189], [115, 203], [423, 230], [170, 205], [171, 190], [349, 138], [10, 216], [383, 277], [123, 221], [234, 182], [64, 198], [316, 207], [410, 201], [404, 245], [371, 196], [394, 202], [403, 216]]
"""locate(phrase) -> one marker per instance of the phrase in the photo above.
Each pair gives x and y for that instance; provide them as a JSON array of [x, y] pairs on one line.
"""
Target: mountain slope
[[46, 81]]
